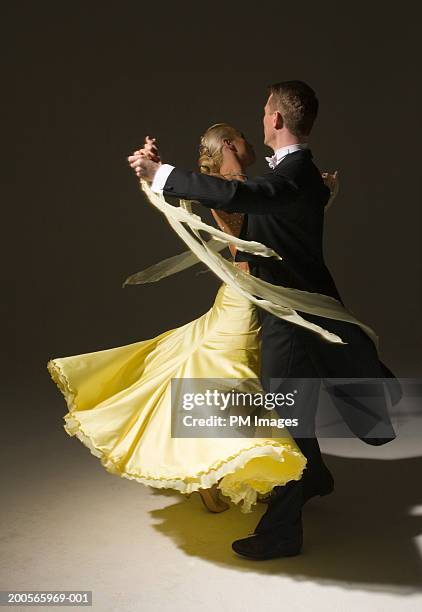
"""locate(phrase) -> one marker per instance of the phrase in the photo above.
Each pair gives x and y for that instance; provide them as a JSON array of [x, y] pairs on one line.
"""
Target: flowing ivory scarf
[[276, 299]]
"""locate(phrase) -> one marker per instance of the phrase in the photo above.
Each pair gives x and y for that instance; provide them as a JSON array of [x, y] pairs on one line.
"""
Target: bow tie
[[272, 161]]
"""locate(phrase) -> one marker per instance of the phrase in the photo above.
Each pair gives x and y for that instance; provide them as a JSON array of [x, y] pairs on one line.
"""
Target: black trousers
[[284, 353]]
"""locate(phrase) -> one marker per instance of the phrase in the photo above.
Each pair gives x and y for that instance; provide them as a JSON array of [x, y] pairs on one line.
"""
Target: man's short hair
[[297, 104]]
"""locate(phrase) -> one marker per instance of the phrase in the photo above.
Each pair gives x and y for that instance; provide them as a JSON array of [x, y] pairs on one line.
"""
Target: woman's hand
[[332, 182], [149, 150]]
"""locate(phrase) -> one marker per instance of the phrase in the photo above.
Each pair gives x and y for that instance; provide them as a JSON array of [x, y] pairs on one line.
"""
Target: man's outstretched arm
[[267, 194]]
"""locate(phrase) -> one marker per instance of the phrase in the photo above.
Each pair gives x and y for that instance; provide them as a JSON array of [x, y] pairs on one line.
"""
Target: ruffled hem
[[61, 380], [240, 492]]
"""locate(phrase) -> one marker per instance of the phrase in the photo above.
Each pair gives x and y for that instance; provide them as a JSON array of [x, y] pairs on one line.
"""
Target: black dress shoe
[[260, 547]]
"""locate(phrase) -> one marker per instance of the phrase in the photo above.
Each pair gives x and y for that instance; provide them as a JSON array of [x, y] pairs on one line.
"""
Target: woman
[[119, 398]]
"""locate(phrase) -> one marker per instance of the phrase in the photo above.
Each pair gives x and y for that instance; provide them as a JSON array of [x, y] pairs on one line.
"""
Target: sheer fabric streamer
[[280, 301]]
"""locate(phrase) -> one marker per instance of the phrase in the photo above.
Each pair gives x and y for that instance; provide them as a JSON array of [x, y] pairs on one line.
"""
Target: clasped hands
[[146, 161]]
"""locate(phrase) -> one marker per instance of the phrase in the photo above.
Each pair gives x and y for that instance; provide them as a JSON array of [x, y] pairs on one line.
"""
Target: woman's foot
[[212, 501]]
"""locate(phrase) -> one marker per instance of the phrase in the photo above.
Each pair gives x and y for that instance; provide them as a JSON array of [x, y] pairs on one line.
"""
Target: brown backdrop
[[93, 78]]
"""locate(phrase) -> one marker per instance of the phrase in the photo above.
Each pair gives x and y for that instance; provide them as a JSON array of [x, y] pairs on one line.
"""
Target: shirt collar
[[280, 154]]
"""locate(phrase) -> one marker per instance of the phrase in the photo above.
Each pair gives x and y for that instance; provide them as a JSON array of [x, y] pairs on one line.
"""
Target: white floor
[[68, 524]]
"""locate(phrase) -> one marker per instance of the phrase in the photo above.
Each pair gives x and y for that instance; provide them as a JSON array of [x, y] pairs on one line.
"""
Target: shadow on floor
[[362, 535]]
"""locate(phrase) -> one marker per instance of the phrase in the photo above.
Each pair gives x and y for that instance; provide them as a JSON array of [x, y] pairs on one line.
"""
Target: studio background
[[93, 79]]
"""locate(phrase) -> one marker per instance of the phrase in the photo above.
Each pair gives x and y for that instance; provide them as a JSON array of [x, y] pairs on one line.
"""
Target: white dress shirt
[[164, 171], [161, 177], [280, 154]]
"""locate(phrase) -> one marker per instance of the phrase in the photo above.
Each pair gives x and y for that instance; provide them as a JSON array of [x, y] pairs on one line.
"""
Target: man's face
[[268, 121]]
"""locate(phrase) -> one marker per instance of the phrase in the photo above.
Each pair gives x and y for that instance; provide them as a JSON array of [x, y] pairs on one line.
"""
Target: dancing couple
[[277, 316]]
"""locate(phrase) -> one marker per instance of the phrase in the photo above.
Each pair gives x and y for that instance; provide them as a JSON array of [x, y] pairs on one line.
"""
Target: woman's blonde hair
[[210, 156]]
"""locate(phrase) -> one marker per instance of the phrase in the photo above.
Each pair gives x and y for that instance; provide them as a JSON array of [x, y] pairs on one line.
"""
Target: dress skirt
[[119, 407]]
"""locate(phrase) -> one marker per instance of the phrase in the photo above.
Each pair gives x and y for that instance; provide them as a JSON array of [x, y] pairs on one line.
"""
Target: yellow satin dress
[[119, 402]]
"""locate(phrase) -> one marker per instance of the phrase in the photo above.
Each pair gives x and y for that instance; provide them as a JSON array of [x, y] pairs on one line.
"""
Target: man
[[285, 211]]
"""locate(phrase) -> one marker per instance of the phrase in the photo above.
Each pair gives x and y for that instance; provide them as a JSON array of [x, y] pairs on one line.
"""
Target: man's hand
[[146, 161]]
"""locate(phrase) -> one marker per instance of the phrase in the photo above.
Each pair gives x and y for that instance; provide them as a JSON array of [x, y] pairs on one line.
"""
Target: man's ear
[[278, 120]]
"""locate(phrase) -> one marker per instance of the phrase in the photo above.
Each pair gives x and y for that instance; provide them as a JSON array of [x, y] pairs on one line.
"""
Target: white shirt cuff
[[161, 177]]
